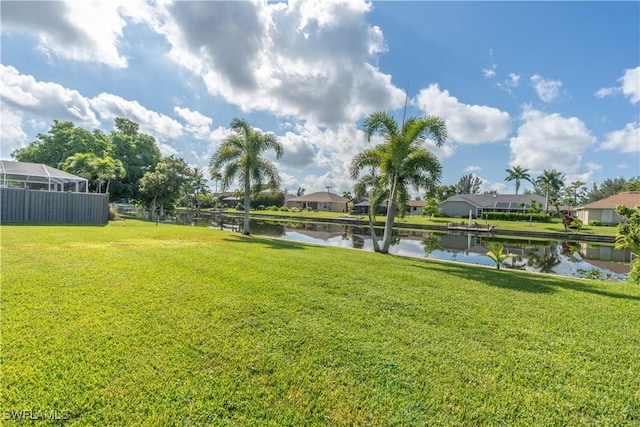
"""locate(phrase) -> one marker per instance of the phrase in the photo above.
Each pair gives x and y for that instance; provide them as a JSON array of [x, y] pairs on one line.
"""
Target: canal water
[[567, 258]]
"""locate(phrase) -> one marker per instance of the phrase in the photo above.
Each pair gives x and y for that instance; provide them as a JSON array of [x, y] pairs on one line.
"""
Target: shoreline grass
[[136, 323]]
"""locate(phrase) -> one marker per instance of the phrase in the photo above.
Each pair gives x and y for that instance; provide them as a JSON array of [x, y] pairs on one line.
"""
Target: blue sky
[[537, 84]]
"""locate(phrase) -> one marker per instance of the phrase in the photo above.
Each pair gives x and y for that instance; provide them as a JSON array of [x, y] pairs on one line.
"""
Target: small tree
[[628, 237], [430, 208], [497, 254]]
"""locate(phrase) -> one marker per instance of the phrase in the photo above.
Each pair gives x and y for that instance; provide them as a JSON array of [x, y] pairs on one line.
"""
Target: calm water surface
[[565, 258]]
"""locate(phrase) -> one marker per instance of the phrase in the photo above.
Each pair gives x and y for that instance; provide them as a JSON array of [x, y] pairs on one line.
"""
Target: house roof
[[416, 203], [627, 198], [320, 196], [498, 201]]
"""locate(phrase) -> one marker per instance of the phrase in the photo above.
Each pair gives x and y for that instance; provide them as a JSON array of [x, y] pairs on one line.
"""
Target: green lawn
[[142, 324]]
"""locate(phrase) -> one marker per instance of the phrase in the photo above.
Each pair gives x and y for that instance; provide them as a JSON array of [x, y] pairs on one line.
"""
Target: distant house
[[605, 210], [321, 201], [416, 207], [459, 205]]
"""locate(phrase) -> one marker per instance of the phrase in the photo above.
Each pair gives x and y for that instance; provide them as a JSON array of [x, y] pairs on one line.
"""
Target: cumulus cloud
[[549, 141], [13, 136], [629, 86], [466, 124], [625, 140], [547, 90], [75, 30], [472, 169], [197, 123], [308, 59], [21, 92]]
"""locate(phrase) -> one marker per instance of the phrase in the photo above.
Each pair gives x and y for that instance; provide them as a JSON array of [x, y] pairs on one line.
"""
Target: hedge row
[[517, 216]]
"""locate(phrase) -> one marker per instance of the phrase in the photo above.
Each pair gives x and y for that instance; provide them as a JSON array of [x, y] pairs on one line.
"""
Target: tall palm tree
[[400, 160], [550, 182], [518, 174], [240, 154]]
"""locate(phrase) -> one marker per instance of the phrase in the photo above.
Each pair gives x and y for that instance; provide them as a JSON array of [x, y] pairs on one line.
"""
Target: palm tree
[[400, 160], [550, 182], [240, 154], [518, 174], [107, 169]]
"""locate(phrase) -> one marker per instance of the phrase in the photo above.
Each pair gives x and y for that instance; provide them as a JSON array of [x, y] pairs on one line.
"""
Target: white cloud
[[549, 141], [21, 92], [547, 90], [73, 30], [512, 82], [629, 86], [198, 124], [593, 166], [308, 59], [472, 169], [490, 72], [466, 124], [12, 134], [626, 140]]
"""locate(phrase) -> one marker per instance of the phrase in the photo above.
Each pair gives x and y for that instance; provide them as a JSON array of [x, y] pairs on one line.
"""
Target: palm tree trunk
[[391, 213], [247, 202], [374, 238]]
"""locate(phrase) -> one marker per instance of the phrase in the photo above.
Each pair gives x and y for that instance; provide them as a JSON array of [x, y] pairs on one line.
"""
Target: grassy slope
[[134, 323]]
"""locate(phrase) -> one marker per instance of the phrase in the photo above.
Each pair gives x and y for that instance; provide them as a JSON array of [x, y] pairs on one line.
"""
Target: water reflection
[[557, 257]]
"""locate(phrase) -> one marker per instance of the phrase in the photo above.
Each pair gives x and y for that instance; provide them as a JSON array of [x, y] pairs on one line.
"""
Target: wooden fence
[[52, 207]]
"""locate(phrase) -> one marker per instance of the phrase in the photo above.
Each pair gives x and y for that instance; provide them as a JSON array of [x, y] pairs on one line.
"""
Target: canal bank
[[495, 231]]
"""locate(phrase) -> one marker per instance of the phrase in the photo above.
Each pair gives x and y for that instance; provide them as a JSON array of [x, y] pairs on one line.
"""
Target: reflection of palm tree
[[546, 261]]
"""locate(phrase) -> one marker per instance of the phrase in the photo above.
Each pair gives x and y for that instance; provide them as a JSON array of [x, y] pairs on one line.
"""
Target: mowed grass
[[138, 324]]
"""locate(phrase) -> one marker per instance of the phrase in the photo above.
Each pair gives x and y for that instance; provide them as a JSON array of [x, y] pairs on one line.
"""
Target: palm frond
[[382, 123]]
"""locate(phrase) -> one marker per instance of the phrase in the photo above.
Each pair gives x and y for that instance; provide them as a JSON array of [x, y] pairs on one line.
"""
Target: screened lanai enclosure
[[36, 176], [34, 193]]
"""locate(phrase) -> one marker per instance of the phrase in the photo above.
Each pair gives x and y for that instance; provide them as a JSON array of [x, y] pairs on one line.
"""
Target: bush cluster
[[517, 216], [595, 222]]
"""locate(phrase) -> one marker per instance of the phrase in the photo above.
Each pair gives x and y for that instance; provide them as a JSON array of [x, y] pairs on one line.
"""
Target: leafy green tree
[[163, 186], [400, 160], [575, 193], [241, 155], [63, 140], [628, 237], [610, 187], [549, 184], [430, 207], [518, 174], [468, 184], [441, 192], [138, 153]]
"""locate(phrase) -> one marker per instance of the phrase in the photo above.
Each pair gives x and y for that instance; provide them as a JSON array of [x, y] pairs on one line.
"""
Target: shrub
[[261, 208], [595, 222], [517, 216], [239, 207], [113, 215], [284, 209]]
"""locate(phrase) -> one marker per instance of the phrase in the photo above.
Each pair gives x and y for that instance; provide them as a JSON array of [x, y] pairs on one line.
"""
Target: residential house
[[416, 207], [459, 205], [321, 201], [605, 210]]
